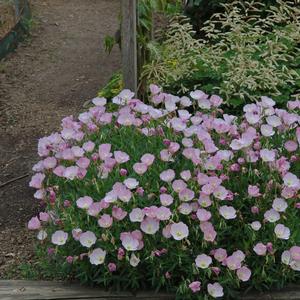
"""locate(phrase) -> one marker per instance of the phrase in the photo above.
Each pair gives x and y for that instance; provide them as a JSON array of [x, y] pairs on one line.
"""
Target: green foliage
[[113, 87], [248, 51]]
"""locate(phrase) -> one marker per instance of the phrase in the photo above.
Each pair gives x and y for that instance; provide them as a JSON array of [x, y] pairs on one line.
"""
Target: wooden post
[[129, 44]]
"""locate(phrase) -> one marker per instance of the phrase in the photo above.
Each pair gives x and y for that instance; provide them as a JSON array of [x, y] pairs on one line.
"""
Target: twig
[[13, 180]]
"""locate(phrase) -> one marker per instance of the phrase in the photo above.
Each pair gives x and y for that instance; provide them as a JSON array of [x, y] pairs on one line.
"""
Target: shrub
[[247, 52], [137, 196]]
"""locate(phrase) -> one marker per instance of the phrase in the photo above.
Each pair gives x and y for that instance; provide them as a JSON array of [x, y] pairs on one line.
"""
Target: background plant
[[248, 51]]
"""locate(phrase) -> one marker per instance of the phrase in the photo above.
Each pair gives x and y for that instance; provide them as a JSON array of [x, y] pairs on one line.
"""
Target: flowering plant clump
[[173, 195]]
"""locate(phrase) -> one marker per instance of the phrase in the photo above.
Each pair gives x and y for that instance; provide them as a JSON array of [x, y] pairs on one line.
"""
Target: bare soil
[[60, 66]]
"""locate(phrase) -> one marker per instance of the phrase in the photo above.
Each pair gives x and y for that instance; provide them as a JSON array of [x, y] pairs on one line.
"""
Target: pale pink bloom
[[40, 194], [165, 155], [87, 239], [140, 168], [121, 157], [280, 205], [134, 260], [186, 175], [104, 151], [77, 151], [185, 208], [34, 223], [105, 221], [130, 243], [274, 121], [42, 235], [185, 101], [173, 147], [204, 200], [45, 217], [178, 185], [267, 102], [148, 159], [215, 290], [123, 97], [272, 215], [220, 192], [59, 238], [227, 212], [111, 197], [267, 130], [233, 262], [286, 257], [94, 209], [37, 180], [220, 254], [256, 225], [88, 146], [267, 155], [291, 146], [167, 231], [183, 114], [215, 100], [291, 180], [260, 249], [76, 233], [59, 171], [298, 134], [295, 253], [49, 162], [118, 213], [112, 267], [197, 94], [186, 195], [99, 101], [150, 225], [97, 256], [68, 154], [203, 261], [84, 202], [288, 192], [131, 183], [154, 89], [136, 215], [163, 213], [71, 172], [179, 231], [195, 286], [203, 214], [253, 191], [83, 162], [243, 273], [282, 232], [166, 199], [151, 211], [167, 175]]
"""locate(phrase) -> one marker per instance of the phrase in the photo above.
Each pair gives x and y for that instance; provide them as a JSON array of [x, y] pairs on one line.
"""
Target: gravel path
[[51, 75]]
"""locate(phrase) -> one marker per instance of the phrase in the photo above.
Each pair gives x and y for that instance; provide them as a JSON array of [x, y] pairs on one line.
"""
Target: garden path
[[60, 66]]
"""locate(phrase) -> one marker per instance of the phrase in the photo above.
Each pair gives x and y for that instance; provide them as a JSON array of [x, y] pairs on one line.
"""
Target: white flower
[[97, 257]]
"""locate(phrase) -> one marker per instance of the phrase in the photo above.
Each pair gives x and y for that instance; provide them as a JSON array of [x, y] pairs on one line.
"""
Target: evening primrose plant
[[173, 195]]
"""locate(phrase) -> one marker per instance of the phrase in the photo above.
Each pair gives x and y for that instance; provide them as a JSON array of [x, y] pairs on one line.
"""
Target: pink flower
[[282, 232], [256, 225], [148, 159], [49, 162], [94, 209], [37, 180], [291, 146], [34, 223], [99, 101], [267, 155], [243, 273], [186, 175], [227, 212], [291, 180], [295, 253], [178, 185], [203, 261], [44, 216], [267, 130], [260, 249], [195, 286], [220, 254], [97, 256], [203, 214], [112, 267], [83, 162], [166, 199], [71, 172], [280, 205], [129, 242], [140, 168], [253, 191], [150, 225], [185, 208], [179, 231], [76, 233], [272, 215], [131, 183], [286, 257], [88, 146], [215, 290], [84, 202], [186, 195], [105, 221], [104, 151], [167, 175], [59, 238], [87, 239], [136, 215], [163, 213], [233, 262], [118, 213], [121, 157]]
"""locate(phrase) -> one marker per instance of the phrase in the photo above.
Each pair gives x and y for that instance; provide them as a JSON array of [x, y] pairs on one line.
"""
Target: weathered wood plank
[[44, 290], [129, 44]]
